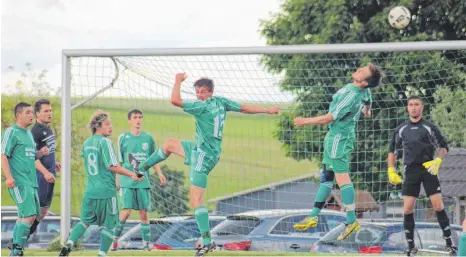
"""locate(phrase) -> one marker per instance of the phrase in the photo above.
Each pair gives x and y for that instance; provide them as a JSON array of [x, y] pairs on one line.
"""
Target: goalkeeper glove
[[433, 166], [393, 177]]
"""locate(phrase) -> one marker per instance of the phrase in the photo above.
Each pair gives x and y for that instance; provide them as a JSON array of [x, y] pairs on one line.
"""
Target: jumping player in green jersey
[[344, 113], [19, 164], [203, 154], [99, 204], [135, 195]]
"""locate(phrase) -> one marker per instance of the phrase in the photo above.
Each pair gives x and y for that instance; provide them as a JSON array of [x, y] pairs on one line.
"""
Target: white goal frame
[[67, 54]]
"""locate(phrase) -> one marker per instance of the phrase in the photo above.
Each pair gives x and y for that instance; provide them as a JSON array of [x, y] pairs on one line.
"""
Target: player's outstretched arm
[[47, 174], [319, 120], [395, 143], [10, 182], [391, 159], [163, 179], [253, 109], [122, 171], [176, 91]]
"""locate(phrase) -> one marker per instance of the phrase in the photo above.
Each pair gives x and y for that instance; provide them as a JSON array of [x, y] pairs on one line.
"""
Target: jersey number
[[219, 120], [92, 164]]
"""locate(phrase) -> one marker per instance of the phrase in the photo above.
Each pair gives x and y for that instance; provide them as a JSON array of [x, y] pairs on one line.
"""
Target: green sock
[[324, 191], [145, 231], [106, 240], [155, 158], [15, 230], [119, 228], [76, 233], [22, 233], [347, 195], [462, 245], [202, 218]]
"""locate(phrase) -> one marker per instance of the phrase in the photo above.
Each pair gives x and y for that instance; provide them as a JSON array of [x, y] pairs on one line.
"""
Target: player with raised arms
[[203, 154]]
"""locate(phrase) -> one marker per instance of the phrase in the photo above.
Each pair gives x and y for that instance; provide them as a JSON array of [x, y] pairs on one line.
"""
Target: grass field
[[161, 253], [251, 156]]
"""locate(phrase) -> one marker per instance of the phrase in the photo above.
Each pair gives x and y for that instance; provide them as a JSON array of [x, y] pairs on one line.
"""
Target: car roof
[[14, 209], [393, 223], [173, 218], [282, 212], [9, 208], [181, 218], [214, 217], [132, 221], [45, 218]]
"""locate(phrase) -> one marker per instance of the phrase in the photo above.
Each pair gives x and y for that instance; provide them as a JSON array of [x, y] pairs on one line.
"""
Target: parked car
[[182, 235], [385, 237], [132, 240], [91, 238], [48, 229], [12, 211], [272, 230]]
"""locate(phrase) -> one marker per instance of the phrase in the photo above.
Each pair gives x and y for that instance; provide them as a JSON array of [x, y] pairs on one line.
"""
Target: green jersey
[[141, 146], [346, 109], [99, 155], [18, 145], [210, 118]]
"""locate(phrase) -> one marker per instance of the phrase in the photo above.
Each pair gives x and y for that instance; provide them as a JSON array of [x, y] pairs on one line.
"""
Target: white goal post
[[66, 96]]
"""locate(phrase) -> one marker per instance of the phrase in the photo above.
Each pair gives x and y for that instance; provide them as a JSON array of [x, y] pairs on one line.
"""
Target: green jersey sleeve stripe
[[113, 158], [343, 103], [193, 108], [120, 155], [6, 139]]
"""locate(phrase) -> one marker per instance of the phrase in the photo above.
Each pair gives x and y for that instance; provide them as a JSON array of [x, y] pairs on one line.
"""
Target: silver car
[[272, 230]]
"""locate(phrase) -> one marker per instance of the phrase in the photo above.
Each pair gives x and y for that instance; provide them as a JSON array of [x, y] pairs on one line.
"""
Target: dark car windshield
[[157, 228], [366, 235], [236, 225]]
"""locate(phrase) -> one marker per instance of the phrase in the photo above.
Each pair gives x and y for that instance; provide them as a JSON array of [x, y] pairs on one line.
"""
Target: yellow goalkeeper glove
[[393, 177], [433, 166]]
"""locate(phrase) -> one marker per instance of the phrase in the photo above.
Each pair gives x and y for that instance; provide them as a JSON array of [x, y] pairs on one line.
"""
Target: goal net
[[268, 167]]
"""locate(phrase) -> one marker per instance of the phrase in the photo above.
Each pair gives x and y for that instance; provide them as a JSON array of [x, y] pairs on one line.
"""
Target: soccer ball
[[399, 17]]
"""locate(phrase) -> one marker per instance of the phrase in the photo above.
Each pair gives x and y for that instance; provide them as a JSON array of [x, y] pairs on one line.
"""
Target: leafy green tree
[[172, 198], [449, 114], [313, 79]]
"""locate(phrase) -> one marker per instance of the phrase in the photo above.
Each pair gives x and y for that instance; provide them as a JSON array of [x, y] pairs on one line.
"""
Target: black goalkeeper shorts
[[414, 176]]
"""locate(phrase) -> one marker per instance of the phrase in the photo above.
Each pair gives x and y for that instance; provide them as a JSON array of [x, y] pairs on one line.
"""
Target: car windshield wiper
[[327, 242], [223, 233]]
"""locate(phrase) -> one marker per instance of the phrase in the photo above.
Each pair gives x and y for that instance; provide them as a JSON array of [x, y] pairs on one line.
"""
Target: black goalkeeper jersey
[[418, 142]]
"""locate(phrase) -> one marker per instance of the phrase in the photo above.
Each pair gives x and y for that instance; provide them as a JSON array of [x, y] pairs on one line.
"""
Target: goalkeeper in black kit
[[419, 140]]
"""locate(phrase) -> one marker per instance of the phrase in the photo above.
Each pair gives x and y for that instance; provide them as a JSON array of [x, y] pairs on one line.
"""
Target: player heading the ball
[[345, 110]]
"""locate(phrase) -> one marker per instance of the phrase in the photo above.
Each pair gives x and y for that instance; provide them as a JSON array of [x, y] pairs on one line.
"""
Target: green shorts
[[200, 163], [100, 212], [337, 151], [135, 198], [26, 200]]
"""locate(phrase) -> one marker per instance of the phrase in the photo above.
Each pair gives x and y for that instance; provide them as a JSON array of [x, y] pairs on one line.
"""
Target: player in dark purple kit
[[45, 145]]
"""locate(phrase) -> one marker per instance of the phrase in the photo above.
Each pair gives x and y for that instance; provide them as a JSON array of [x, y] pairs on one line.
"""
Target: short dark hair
[[38, 104], [376, 75], [415, 97], [20, 106], [134, 111], [204, 82]]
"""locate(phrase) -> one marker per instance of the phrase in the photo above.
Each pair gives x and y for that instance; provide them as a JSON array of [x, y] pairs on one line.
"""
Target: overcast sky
[[36, 31]]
